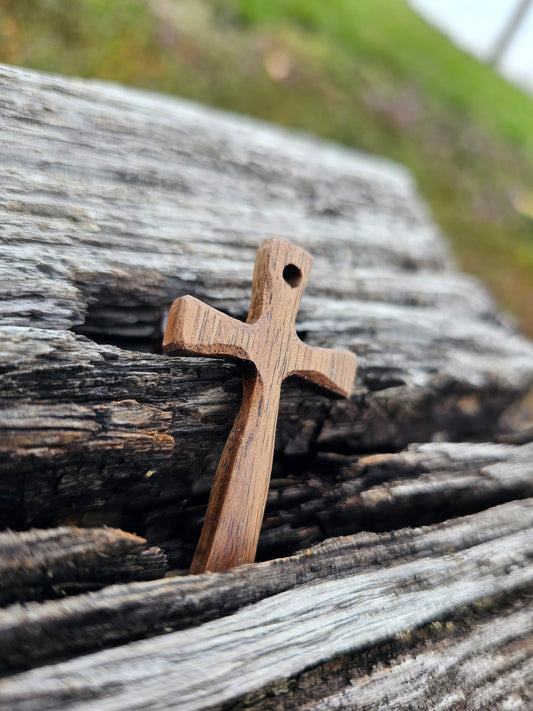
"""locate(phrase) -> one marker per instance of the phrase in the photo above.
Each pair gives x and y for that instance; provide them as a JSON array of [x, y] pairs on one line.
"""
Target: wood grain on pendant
[[270, 351]]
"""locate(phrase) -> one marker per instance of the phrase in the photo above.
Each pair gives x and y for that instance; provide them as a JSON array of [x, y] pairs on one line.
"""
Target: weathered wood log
[[49, 563], [423, 484], [281, 635], [42, 632], [115, 202], [333, 494], [459, 663]]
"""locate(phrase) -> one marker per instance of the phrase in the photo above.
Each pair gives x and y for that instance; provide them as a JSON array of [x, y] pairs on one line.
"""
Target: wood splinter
[[270, 351]]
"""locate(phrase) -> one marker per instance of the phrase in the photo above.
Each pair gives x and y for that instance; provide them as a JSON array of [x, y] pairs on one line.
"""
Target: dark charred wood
[[40, 564]]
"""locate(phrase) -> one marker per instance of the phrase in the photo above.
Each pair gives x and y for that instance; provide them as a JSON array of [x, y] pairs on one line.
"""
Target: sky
[[475, 25]]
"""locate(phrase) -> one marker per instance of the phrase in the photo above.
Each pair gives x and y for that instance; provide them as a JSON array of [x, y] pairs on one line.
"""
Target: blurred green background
[[367, 73]]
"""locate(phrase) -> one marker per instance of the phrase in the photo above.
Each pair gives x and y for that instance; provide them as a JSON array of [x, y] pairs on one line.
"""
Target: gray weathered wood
[[491, 669], [119, 613], [459, 663], [43, 563], [114, 202], [281, 635]]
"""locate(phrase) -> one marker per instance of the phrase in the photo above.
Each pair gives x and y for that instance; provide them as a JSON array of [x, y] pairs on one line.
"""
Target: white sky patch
[[476, 25]]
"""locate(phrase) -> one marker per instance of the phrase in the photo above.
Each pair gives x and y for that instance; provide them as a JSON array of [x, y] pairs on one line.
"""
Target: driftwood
[[414, 492]]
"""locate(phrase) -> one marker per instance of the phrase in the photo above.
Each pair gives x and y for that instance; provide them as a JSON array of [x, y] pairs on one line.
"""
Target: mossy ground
[[370, 74]]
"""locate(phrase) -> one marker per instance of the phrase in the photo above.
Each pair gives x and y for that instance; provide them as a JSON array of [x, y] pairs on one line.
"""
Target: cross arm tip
[[331, 370], [177, 338], [196, 329]]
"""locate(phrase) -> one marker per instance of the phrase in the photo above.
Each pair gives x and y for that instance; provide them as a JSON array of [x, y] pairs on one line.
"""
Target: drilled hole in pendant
[[292, 275]]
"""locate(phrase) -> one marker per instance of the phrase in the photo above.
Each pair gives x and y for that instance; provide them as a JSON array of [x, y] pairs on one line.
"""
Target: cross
[[270, 351]]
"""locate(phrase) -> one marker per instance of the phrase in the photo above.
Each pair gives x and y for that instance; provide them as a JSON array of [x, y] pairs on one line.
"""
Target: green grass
[[368, 73]]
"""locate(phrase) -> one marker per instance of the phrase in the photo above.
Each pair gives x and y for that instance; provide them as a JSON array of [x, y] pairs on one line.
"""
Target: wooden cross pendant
[[270, 351]]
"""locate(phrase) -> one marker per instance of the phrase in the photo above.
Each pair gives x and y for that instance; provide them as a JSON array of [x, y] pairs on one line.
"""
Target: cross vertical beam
[[270, 351]]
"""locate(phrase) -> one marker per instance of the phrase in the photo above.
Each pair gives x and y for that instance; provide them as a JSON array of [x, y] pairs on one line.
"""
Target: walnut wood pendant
[[270, 351]]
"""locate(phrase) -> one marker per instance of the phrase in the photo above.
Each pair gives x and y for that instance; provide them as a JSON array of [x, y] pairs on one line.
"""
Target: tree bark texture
[[414, 492]]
